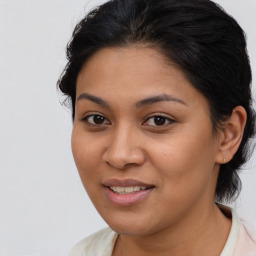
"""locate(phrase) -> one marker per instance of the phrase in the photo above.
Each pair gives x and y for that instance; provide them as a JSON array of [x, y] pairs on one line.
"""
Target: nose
[[125, 148]]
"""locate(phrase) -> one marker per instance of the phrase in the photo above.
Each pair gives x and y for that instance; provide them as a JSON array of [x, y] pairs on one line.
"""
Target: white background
[[43, 206]]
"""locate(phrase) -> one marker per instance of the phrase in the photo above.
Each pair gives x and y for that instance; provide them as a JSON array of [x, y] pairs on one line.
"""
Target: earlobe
[[231, 135]]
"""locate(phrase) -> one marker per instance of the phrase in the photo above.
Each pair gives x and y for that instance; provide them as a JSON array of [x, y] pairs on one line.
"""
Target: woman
[[161, 102]]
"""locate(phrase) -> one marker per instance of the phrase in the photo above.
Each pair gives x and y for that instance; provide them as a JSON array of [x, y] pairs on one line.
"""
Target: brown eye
[[158, 121], [96, 120]]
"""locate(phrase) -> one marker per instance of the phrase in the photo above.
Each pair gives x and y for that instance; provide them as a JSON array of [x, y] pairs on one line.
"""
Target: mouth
[[126, 192]]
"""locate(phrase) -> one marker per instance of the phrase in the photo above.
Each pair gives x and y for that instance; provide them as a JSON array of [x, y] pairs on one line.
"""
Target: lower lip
[[126, 199]]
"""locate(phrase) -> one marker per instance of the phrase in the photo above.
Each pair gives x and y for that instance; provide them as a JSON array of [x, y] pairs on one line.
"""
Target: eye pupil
[[98, 119], [158, 120]]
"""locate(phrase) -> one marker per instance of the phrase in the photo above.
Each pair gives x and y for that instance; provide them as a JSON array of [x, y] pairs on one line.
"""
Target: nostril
[[121, 158]]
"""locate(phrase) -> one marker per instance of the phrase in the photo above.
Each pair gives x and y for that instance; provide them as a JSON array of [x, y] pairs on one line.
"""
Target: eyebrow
[[94, 99], [139, 104], [159, 98]]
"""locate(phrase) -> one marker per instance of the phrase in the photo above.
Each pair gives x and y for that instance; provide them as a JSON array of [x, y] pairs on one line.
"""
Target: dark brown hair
[[199, 36]]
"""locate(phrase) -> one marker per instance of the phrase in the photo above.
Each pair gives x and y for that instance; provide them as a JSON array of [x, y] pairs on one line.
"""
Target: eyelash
[[167, 120], [86, 119]]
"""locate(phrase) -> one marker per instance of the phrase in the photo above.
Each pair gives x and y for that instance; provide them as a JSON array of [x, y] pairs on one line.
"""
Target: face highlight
[[142, 141]]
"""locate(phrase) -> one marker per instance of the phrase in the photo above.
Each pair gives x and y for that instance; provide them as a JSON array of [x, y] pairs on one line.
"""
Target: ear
[[230, 135]]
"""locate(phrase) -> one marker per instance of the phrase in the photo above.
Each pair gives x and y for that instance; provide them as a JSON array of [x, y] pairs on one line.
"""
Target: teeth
[[119, 190], [127, 190]]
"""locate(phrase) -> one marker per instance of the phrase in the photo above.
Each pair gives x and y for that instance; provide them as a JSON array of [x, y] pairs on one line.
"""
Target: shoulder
[[100, 243], [246, 244], [240, 241]]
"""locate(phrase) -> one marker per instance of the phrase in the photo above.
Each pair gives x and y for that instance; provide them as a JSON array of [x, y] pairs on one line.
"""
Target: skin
[[181, 158]]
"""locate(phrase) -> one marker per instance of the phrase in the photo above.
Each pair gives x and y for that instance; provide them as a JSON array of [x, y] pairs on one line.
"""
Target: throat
[[204, 238]]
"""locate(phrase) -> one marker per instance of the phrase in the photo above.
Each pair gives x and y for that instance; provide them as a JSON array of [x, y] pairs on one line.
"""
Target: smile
[[127, 190]]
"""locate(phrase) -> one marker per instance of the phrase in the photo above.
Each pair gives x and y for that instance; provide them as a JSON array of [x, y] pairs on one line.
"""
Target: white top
[[239, 242]]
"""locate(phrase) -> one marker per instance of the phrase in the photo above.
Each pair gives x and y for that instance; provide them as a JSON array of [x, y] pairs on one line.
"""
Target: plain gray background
[[43, 206]]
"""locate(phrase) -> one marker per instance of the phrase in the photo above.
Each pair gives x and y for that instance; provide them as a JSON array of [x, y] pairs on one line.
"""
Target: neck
[[199, 234]]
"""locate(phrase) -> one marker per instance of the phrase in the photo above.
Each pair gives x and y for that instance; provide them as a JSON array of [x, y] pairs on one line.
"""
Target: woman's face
[[143, 141]]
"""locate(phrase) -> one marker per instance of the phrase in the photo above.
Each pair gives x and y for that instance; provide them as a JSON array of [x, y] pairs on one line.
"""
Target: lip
[[126, 199], [125, 183]]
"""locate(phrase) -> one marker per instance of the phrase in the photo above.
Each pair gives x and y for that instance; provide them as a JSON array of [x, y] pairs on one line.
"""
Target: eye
[[95, 120], [158, 121]]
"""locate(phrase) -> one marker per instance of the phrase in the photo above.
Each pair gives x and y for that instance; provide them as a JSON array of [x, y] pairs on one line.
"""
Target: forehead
[[134, 72], [135, 60]]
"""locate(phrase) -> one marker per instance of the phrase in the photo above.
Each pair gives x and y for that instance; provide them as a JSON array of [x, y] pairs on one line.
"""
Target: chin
[[130, 230], [131, 225]]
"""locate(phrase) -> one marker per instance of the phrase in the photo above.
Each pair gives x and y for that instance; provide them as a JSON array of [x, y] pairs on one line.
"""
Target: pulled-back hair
[[198, 35]]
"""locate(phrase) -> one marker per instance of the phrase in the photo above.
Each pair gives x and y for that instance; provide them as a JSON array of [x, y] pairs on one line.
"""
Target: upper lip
[[125, 183]]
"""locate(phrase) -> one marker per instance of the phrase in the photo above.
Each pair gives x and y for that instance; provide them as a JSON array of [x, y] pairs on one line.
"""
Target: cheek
[[86, 154], [185, 162]]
